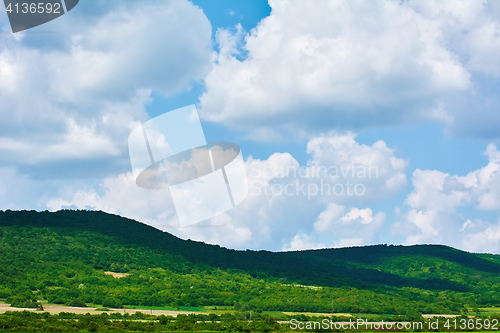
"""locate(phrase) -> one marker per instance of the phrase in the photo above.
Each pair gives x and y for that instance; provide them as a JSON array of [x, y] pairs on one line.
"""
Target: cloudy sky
[[396, 103]]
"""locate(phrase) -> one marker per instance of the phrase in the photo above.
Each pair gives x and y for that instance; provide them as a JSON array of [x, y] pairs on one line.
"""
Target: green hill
[[64, 255]]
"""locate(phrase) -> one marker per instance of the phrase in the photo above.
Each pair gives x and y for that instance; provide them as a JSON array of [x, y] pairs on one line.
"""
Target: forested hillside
[[62, 256]]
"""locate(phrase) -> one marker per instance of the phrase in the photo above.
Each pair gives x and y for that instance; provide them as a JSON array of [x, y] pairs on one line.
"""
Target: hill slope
[[64, 256]]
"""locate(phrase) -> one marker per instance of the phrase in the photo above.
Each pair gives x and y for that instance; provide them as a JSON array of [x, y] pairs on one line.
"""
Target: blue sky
[[409, 88]]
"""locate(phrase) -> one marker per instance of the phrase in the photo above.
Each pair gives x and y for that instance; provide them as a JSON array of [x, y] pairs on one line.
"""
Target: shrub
[[57, 300], [111, 303], [77, 303], [22, 302]]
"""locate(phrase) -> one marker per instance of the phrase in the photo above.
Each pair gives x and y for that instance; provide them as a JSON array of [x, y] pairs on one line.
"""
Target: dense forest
[[62, 257]]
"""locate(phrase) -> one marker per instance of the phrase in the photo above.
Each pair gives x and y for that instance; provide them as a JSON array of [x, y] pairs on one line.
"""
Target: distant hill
[[56, 253]]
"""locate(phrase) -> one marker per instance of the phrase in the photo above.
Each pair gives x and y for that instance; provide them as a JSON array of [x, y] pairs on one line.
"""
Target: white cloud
[[302, 242], [276, 211], [267, 219], [274, 220], [356, 227], [120, 54], [472, 27], [486, 239], [433, 216], [375, 167], [120, 195], [20, 191], [336, 229], [221, 230], [76, 97], [485, 42], [326, 218], [78, 142], [13, 194], [351, 64], [485, 182]]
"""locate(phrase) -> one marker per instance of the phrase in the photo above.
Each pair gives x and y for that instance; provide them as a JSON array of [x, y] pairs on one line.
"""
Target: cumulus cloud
[[375, 167], [13, 186], [433, 216], [310, 67], [356, 227], [79, 142], [302, 242], [279, 220], [120, 195], [22, 191], [77, 95], [340, 228], [340, 169], [351, 64], [282, 206], [486, 237]]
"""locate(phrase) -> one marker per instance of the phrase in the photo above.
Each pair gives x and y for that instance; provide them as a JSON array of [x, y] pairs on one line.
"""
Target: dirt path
[[117, 275], [55, 309]]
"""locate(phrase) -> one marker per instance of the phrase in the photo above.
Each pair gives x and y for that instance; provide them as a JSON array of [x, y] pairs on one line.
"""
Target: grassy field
[[139, 307], [489, 311], [371, 315], [218, 310]]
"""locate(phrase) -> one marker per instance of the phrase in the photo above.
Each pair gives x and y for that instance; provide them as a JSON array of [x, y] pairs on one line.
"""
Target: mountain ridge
[[200, 252], [59, 238]]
